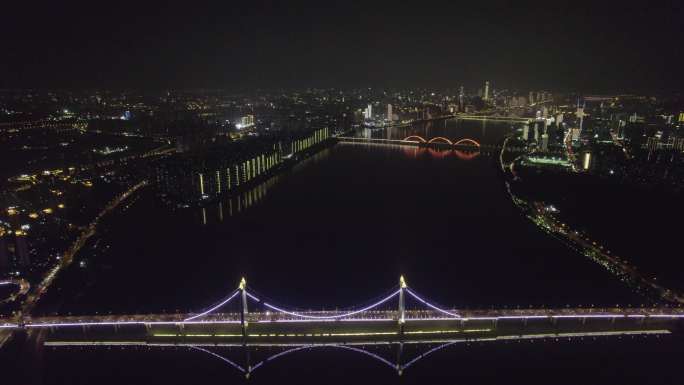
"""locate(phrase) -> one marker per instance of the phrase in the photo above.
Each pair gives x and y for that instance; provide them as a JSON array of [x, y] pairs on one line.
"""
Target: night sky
[[558, 45]]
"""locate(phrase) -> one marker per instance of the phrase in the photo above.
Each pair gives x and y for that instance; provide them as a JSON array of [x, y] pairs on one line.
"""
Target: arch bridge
[[463, 143]]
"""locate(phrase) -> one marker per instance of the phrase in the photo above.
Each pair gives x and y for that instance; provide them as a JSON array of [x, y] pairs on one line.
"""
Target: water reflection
[[236, 204], [453, 129], [398, 356]]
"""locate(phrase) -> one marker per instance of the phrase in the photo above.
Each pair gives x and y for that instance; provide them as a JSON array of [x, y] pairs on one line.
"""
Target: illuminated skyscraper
[[531, 98], [369, 111], [586, 161], [389, 112], [580, 115], [486, 91], [21, 248]]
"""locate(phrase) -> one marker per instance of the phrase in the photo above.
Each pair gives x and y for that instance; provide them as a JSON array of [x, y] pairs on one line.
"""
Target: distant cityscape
[[70, 153]]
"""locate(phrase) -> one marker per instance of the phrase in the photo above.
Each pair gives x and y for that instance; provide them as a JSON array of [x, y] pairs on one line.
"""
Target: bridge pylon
[[402, 308], [243, 308]]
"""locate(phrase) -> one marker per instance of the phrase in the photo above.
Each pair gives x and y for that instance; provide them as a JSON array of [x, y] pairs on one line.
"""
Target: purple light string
[[428, 304], [295, 314]]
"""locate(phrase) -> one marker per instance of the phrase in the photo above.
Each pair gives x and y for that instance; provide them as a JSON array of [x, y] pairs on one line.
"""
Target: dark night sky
[[611, 46]]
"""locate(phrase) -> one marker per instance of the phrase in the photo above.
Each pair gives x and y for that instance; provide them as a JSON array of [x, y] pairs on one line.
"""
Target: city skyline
[[194, 191]]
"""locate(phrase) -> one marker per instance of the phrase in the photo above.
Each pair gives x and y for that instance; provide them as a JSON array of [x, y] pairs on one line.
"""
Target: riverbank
[[546, 217]]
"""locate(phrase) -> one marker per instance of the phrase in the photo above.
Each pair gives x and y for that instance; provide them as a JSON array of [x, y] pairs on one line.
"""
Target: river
[[336, 231]]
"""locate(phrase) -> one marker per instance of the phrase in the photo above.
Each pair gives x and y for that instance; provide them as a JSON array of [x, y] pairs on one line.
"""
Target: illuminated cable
[[214, 308], [414, 295], [252, 297], [295, 314]]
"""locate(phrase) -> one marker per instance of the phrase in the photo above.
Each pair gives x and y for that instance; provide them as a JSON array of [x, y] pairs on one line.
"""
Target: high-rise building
[[461, 98], [4, 257], [389, 112], [544, 144], [247, 121], [21, 248], [369, 112], [575, 134], [580, 115], [531, 98], [486, 91], [586, 161]]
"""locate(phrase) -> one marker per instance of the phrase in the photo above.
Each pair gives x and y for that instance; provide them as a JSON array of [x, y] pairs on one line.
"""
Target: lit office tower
[[486, 91], [461, 97], [389, 112], [369, 111], [21, 248], [531, 98]]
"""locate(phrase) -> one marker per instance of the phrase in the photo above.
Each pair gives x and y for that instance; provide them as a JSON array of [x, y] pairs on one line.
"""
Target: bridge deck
[[367, 316]]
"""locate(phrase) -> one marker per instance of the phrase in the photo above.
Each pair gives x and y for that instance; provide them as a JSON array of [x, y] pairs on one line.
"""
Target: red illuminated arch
[[466, 142], [466, 155], [440, 139], [413, 137], [439, 154], [413, 151]]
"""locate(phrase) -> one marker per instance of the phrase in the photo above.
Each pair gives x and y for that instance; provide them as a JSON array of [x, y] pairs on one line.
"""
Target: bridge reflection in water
[[399, 319], [397, 356], [402, 316]]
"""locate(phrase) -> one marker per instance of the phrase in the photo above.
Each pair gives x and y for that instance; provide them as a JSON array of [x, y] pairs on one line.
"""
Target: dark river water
[[337, 231]]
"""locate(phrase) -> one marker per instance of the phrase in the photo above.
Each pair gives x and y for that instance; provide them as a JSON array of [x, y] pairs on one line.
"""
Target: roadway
[[328, 317]]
